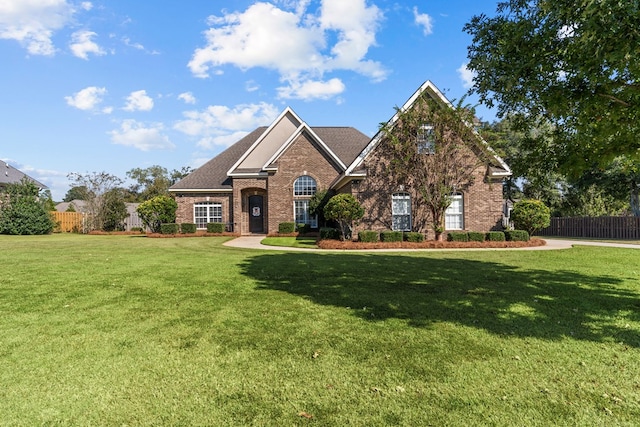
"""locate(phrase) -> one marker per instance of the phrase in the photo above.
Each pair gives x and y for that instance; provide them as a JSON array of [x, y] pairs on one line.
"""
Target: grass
[[115, 330], [291, 242]]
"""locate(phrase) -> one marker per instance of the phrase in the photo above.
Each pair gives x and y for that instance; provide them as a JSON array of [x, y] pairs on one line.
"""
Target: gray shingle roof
[[345, 142], [11, 175]]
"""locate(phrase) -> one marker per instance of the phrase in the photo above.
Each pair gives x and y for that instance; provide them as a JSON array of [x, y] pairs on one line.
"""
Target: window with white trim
[[303, 188], [205, 212], [401, 212], [454, 215], [426, 140]]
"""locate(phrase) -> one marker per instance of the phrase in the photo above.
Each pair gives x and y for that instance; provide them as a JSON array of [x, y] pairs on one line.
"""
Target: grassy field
[[127, 330]]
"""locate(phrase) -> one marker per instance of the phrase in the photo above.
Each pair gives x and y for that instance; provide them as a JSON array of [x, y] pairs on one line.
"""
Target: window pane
[[304, 186], [401, 212], [301, 214], [205, 212], [454, 215]]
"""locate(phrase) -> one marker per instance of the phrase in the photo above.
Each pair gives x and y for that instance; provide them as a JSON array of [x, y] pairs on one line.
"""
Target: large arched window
[[303, 188], [454, 215], [401, 212]]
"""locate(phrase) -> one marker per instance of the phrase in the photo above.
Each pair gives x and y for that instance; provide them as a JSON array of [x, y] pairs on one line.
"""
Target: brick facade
[[186, 203]]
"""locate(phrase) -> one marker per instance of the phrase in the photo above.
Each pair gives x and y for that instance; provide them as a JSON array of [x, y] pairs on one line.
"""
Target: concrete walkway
[[254, 242]]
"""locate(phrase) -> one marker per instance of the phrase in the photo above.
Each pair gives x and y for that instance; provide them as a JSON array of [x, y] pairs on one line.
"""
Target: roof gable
[[502, 169], [11, 175]]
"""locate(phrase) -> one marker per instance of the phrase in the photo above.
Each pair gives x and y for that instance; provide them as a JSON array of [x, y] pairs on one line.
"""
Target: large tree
[[570, 64], [431, 151]]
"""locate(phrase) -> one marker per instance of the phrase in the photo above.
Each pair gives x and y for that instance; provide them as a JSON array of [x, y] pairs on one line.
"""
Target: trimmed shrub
[[516, 235], [530, 215], [303, 228], [137, 229], [368, 236], [286, 227], [328, 233], [215, 227], [458, 236], [187, 228], [475, 236], [496, 236], [414, 237], [169, 228], [391, 236]]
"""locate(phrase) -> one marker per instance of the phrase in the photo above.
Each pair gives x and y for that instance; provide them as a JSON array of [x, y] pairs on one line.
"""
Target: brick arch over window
[[304, 187]]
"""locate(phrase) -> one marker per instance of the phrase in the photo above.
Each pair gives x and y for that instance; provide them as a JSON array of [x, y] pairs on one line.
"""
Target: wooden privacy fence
[[77, 222], [70, 221], [604, 227]]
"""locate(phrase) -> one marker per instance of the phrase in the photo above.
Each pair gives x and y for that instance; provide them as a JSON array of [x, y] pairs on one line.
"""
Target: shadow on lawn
[[499, 298]]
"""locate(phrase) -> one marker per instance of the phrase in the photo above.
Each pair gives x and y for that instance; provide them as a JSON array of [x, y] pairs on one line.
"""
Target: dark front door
[[256, 214]]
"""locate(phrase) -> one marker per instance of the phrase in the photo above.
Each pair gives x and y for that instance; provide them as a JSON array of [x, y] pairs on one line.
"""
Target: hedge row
[[190, 228], [492, 236]]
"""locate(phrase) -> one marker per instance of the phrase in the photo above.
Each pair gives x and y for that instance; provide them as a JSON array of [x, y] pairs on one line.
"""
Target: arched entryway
[[254, 211]]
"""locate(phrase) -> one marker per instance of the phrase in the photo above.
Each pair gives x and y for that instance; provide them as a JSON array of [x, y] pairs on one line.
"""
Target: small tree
[[114, 211], [92, 188], [317, 203], [154, 212], [23, 210], [530, 215], [344, 208]]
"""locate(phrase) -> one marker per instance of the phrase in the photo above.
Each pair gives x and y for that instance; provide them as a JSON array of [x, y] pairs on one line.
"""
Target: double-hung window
[[454, 215], [205, 212], [303, 189], [426, 140], [401, 212]]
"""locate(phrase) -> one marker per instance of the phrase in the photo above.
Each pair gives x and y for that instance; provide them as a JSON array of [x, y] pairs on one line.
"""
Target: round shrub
[[391, 236], [458, 236], [517, 235], [286, 227], [187, 228], [368, 236], [530, 215], [215, 227], [414, 237]]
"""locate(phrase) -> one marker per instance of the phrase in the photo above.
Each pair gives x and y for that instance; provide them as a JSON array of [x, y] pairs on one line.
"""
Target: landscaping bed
[[431, 244]]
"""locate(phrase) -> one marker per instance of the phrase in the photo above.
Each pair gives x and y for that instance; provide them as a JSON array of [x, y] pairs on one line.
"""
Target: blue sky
[[103, 85]]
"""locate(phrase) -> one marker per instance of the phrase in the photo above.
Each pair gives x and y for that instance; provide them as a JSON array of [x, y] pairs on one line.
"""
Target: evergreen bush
[[475, 236], [215, 227], [496, 236], [414, 237], [169, 228], [458, 236], [391, 236], [516, 235], [368, 236], [328, 233], [187, 228], [286, 227]]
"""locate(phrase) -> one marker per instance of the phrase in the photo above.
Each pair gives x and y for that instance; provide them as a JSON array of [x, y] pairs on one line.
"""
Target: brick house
[[269, 176]]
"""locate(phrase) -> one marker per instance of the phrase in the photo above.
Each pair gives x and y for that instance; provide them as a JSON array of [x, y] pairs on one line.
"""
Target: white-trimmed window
[[426, 140], [303, 188], [205, 212], [454, 215], [401, 212]]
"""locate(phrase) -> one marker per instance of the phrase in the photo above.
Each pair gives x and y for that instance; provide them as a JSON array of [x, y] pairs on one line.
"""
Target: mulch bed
[[431, 244]]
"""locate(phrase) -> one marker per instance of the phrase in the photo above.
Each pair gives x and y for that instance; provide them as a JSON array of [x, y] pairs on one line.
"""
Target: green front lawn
[[128, 330]]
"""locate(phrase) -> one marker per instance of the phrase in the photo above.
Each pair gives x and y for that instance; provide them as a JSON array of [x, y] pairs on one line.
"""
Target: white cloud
[[86, 5], [33, 22], [187, 97], [423, 20], [139, 101], [220, 125], [295, 43], [137, 135], [82, 44], [309, 90], [87, 99], [467, 76]]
